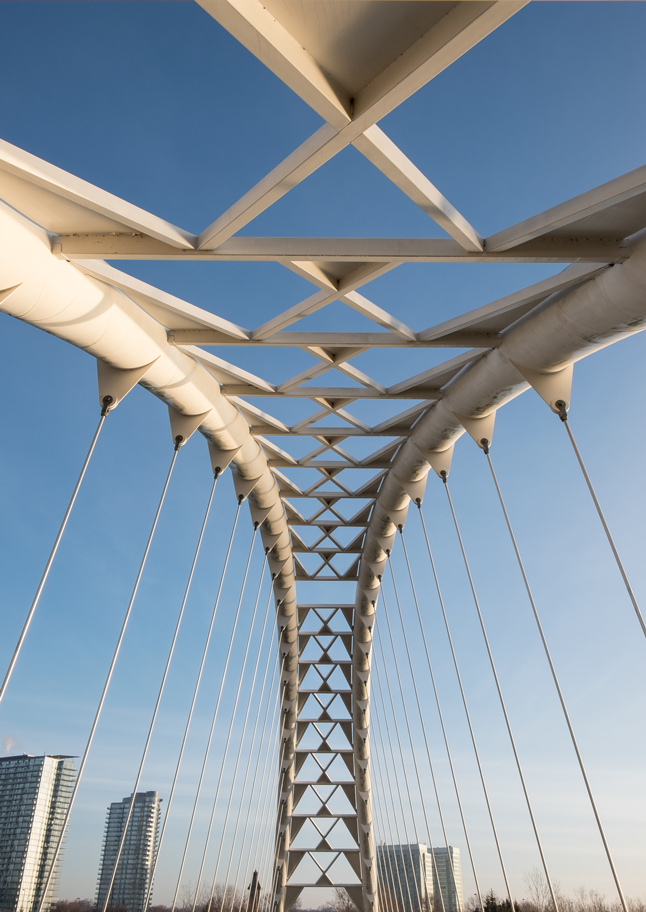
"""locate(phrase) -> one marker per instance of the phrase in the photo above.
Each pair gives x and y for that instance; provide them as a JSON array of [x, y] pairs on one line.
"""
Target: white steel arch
[[352, 62]]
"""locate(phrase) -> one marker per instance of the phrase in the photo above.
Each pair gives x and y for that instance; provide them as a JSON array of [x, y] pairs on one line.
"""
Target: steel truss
[[56, 230]]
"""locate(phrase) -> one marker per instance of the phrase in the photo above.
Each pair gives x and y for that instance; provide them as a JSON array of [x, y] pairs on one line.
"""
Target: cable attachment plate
[[397, 517], [439, 460], [276, 564], [479, 428], [258, 514], [553, 387], [385, 542], [182, 427], [243, 486], [221, 459], [115, 383], [414, 489]]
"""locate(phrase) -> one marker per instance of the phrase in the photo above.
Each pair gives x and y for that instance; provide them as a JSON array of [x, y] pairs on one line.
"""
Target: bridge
[[353, 64]]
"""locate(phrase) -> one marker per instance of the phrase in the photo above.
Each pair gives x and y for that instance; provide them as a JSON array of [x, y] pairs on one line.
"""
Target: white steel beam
[[391, 161], [363, 306], [593, 202], [436, 376], [339, 392], [304, 255], [56, 199], [255, 28], [225, 372], [515, 304], [247, 20], [58, 298], [310, 155], [460, 30], [572, 325], [169, 310], [342, 340], [297, 312]]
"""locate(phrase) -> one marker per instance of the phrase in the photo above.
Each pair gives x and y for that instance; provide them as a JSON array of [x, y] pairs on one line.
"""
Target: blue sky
[[157, 104]]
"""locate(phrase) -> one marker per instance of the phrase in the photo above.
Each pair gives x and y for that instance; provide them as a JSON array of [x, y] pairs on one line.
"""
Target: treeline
[[582, 901], [538, 898], [228, 900], [86, 905]]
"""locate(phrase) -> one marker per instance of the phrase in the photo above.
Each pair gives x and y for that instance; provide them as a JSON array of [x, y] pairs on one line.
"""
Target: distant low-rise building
[[134, 872], [34, 797]]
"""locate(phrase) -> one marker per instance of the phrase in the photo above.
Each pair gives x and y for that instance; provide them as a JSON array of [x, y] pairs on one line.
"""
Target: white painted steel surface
[[352, 61]]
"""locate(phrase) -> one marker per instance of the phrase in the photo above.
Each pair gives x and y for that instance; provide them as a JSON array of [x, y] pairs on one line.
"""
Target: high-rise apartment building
[[34, 797], [134, 871], [421, 881], [447, 879], [406, 872]]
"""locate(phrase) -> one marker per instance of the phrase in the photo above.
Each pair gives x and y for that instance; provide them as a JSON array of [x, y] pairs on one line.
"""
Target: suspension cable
[[262, 784], [410, 736], [403, 764], [399, 795], [388, 831], [106, 685], [476, 753], [272, 835], [269, 831], [500, 697], [566, 714], [189, 718], [269, 774], [271, 844], [257, 765], [228, 739], [384, 882], [419, 709], [391, 858], [213, 720], [52, 555], [162, 685], [250, 752], [629, 589], [390, 792], [249, 834], [381, 828]]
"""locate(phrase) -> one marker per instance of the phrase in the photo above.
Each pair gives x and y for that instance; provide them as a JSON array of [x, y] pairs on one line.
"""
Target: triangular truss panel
[[320, 840]]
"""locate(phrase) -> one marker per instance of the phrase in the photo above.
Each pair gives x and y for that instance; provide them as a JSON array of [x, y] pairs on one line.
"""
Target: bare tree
[[223, 899], [340, 902], [72, 905], [540, 898]]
